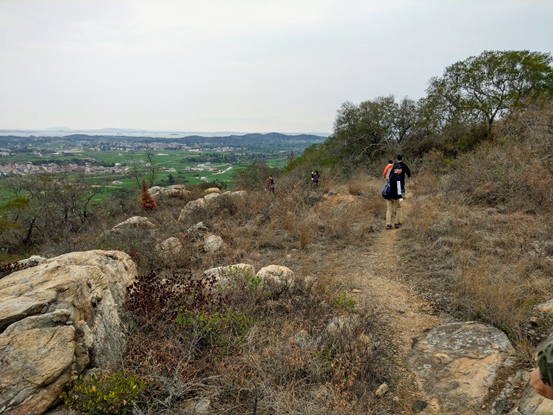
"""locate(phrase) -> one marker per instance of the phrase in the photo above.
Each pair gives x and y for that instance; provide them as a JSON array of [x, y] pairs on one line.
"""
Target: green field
[[163, 159]]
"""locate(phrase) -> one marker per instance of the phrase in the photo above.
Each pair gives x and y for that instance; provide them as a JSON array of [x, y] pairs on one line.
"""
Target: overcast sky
[[248, 66]]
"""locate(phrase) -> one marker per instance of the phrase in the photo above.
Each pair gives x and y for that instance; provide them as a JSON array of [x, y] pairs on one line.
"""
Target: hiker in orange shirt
[[388, 169]]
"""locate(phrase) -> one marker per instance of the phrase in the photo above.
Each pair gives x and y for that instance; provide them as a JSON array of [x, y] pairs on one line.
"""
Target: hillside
[[300, 300]]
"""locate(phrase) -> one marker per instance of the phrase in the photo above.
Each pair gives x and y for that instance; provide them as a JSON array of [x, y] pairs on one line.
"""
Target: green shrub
[[344, 301], [103, 394], [221, 328]]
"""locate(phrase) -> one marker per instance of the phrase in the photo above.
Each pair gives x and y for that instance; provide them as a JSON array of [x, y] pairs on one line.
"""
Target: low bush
[[103, 394]]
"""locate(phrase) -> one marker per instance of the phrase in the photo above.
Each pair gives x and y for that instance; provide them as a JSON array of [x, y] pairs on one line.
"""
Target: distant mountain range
[[63, 131]]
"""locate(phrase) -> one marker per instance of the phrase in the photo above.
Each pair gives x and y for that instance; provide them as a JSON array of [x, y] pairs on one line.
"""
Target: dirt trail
[[408, 316]]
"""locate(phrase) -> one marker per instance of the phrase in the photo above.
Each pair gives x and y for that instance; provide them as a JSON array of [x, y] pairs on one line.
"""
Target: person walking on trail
[[404, 170], [315, 178], [394, 198], [541, 378], [388, 169], [270, 185]]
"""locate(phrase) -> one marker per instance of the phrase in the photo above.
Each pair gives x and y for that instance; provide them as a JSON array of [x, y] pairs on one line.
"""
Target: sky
[[245, 66]]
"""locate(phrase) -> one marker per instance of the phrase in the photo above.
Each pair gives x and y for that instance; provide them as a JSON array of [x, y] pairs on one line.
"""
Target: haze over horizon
[[238, 66]]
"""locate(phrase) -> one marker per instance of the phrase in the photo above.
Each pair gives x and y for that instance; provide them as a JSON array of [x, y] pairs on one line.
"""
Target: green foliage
[[314, 157], [240, 277], [485, 87], [255, 174], [103, 394], [345, 302], [215, 327]]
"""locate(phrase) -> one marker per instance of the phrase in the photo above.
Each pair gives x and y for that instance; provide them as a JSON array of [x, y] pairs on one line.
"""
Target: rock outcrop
[[455, 365], [57, 319], [175, 191]]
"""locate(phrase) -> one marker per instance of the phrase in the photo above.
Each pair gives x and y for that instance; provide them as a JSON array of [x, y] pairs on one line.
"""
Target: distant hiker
[[541, 378], [270, 185], [315, 178], [404, 169], [388, 169], [394, 198]]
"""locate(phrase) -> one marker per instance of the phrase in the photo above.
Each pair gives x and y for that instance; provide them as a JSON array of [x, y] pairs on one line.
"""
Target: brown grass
[[477, 244]]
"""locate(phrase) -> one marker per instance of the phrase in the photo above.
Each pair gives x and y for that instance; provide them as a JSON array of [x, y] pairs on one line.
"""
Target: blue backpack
[[386, 191]]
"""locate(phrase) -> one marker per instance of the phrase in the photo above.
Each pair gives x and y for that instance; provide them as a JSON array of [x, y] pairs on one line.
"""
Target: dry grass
[[289, 362], [479, 243]]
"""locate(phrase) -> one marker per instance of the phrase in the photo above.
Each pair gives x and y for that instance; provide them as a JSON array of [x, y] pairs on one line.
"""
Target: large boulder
[[212, 190], [455, 365], [56, 319], [278, 275]]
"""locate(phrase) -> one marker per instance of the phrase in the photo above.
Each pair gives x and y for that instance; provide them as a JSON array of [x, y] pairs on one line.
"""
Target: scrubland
[[252, 347], [477, 244]]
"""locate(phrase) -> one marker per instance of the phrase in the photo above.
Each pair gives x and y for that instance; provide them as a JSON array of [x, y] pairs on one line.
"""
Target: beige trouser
[[390, 203]]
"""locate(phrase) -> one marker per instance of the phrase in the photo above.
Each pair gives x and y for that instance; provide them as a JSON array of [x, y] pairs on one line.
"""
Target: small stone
[[419, 406], [396, 399], [382, 389], [203, 405], [355, 290]]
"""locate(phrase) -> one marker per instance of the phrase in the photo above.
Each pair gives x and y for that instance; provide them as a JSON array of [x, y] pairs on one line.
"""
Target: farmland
[[120, 162]]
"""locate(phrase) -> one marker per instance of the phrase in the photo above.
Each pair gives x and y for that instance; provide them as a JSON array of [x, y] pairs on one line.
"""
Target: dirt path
[[408, 316]]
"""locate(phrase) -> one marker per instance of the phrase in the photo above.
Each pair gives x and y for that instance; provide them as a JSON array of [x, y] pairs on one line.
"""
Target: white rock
[[213, 243], [277, 274], [382, 389], [212, 190], [136, 222]]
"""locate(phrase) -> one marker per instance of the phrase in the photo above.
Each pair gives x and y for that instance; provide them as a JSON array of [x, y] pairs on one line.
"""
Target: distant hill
[[63, 131]]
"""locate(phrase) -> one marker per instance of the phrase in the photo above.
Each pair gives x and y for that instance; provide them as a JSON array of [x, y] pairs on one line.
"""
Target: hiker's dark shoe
[[397, 225], [388, 227]]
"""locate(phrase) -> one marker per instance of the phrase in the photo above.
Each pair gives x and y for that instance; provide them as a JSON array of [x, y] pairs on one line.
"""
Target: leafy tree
[[255, 174], [364, 131], [147, 201], [485, 87], [170, 180]]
